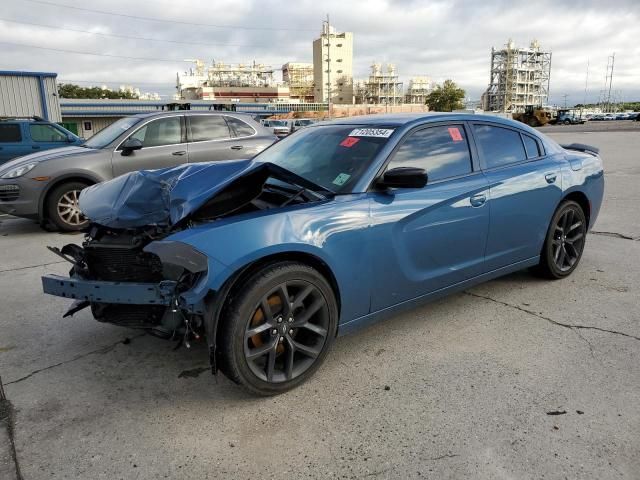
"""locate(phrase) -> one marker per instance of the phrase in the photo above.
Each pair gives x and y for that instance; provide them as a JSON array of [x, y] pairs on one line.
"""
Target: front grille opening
[[9, 193]]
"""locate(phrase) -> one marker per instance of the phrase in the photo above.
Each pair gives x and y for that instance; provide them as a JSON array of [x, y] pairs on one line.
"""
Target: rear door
[[425, 239], [12, 141], [211, 139], [248, 141], [163, 145], [525, 189]]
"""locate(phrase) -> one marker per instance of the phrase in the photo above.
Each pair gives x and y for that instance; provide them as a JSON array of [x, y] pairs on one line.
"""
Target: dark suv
[[45, 186], [22, 136]]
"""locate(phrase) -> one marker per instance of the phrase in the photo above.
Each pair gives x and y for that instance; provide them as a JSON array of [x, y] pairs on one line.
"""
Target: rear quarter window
[[531, 146], [240, 128], [10, 132]]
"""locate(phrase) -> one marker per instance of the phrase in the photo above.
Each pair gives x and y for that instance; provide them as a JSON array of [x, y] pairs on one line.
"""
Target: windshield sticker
[[456, 136], [371, 132], [341, 179], [349, 142]]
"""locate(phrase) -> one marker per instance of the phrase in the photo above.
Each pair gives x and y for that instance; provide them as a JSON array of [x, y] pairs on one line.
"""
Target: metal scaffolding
[[299, 78], [519, 77], [383, 88]]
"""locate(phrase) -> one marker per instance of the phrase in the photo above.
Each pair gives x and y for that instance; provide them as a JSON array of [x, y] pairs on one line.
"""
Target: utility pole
[[565, 100]]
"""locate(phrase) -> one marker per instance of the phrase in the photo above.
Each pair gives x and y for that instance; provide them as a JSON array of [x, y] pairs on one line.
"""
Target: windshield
[[105, 136], [333, 156], [277, 123]]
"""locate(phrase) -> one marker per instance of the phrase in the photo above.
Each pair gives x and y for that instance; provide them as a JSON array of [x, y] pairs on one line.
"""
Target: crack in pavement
[[615, 235], [101, 350], [7, 416], [441, 457], [31, 266], [554, 322]]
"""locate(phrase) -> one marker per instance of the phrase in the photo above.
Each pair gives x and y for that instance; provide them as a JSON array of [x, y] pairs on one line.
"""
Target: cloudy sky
[[442, 39]]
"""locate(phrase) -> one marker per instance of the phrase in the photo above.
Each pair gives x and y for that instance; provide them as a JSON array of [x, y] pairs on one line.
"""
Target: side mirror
[[403, 177], [71, 138], [129, 145]]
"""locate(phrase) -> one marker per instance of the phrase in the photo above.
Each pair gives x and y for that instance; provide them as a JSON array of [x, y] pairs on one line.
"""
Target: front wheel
[[278, 328], [564, 243], [62, 207]]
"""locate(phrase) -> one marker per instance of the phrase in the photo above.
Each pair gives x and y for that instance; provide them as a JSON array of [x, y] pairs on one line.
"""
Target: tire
[[564, 243], [261, 362], [567, 122], [66, 194]]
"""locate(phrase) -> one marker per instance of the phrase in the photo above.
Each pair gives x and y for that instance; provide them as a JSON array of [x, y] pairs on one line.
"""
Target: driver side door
[[426, 239], [163, 145]]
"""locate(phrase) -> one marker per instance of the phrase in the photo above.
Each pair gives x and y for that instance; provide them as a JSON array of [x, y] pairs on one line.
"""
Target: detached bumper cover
[[162, 293]]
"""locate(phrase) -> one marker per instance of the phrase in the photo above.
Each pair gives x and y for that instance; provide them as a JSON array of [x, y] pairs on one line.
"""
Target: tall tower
[[333, 66]]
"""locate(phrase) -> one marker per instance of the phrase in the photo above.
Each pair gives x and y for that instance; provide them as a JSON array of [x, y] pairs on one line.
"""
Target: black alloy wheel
[[279, 328], [565, 241]]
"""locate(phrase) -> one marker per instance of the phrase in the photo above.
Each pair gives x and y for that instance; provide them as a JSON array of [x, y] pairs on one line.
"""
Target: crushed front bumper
[[163, 293]]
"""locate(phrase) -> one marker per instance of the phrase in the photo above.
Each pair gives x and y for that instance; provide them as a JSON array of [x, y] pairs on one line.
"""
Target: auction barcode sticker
[[371, 132]]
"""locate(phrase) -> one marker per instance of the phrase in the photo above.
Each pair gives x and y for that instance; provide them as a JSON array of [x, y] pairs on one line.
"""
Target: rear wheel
[[564, 243], [62, 207], [278, 329]]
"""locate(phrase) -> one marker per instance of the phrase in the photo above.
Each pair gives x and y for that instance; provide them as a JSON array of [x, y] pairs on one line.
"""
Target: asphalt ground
[[515, 378]]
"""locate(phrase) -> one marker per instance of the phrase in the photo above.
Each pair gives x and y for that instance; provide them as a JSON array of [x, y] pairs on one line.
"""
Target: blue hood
[[159, 197]]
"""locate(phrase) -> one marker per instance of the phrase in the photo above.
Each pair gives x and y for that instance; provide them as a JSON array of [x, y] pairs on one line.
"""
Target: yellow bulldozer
[[534, 116]]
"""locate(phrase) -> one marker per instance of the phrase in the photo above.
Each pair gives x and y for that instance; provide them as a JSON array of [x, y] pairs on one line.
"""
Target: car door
[[12, 141], [428, 238], [246, 137], [211, 139], [45, 136], [525, 189], [163, 145]]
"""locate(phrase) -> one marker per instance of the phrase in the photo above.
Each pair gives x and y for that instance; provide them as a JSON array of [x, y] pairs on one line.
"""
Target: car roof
[[191, 112], [399, 119]]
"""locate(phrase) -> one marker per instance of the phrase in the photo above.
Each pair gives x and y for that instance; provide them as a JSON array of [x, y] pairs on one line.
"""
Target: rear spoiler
[[580, 147]]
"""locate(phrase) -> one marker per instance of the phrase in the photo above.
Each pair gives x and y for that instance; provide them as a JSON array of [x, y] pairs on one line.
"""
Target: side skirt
[[375, 317]]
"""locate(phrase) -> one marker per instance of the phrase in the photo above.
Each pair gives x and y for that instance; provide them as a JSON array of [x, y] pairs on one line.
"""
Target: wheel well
[[582, 200], [56, 184], [239, 279]]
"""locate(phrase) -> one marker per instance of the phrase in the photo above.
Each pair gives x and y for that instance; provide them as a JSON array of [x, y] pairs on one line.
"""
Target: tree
[[446, 98], [69, 90]]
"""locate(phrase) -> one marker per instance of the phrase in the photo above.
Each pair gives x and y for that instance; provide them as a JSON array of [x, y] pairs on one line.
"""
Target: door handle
[[179, 154], [550, 177], [478, 200], [237, 147]]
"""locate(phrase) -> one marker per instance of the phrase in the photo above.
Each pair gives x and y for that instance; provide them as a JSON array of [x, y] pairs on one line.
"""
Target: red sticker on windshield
[[349, 142], [456, 136]]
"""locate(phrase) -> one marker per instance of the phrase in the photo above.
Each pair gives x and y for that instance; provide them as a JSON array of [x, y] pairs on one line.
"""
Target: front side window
[[46, 133], [333, 156], [442, 151], [164, 131], [499, 146], [10, 132], [208, 127], [240, 128]]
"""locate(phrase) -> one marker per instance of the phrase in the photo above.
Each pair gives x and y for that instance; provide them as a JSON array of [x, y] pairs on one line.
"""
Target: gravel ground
[[515, 378]]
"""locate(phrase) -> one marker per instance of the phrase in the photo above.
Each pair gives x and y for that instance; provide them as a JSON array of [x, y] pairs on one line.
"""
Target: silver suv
[[45, 186]]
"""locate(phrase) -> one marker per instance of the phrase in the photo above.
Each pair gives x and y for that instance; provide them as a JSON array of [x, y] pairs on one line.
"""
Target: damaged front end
[[132, 278], [130, 271]]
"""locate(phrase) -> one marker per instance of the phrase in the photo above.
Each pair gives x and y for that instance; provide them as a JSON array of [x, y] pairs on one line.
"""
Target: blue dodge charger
[[332, 228]]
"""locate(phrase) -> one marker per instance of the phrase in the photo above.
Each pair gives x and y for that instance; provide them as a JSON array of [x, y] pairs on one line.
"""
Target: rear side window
[[240, 128], [46, 133], [499, 146], [10, 132], [208, 127], [531, 146], [442, 151]]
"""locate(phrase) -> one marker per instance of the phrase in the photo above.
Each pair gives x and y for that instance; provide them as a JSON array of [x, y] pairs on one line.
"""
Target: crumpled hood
[[159, 197], [46, 155]]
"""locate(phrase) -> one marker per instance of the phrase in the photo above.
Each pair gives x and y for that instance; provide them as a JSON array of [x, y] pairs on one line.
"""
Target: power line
[[153, 19], [127, 36]]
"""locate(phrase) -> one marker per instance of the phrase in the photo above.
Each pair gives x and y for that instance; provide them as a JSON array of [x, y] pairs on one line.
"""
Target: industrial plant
[[519, 78]]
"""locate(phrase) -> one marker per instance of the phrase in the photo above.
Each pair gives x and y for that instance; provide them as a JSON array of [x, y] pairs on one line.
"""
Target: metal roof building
[[25, 94]]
